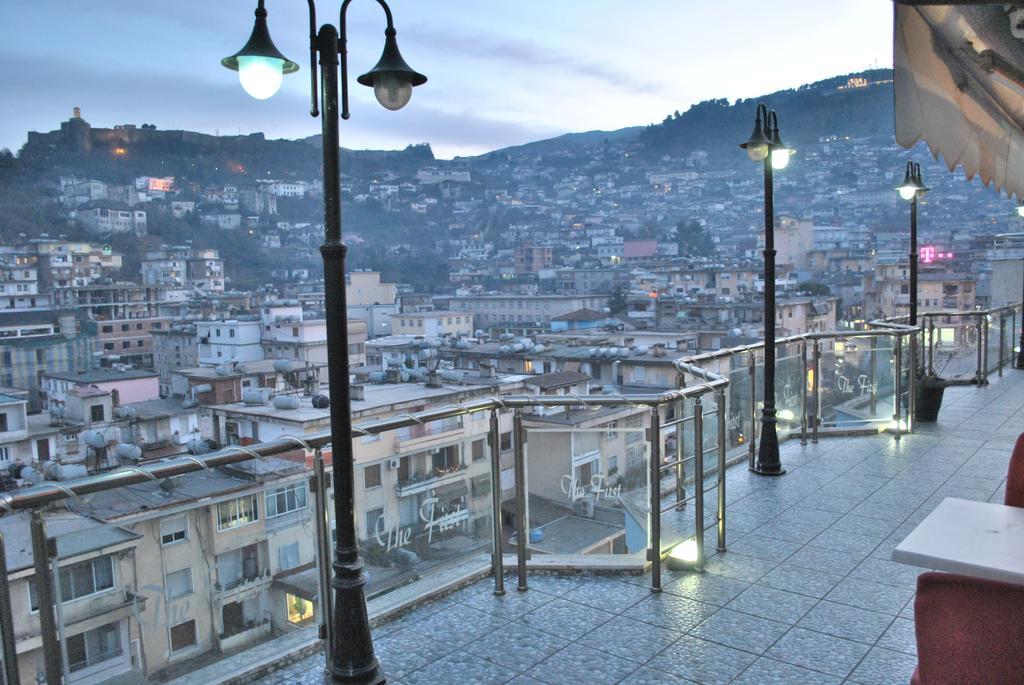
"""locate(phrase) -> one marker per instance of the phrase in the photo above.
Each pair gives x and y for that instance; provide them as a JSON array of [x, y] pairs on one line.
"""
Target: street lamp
[[912, 188], [1020, 351], [260, 69], [766, 146]]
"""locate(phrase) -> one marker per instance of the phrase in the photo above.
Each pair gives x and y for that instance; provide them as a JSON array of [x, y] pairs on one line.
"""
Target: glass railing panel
[[789, 389], [955, 350], [994, 344], [1010, 336], [587, 477], [856, 382], [424, 508], [740, 417]]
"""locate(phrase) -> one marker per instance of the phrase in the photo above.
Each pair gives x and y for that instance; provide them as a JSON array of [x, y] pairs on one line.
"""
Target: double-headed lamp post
[[910, 190], [766, 146], [260, 69], [1020, 350]]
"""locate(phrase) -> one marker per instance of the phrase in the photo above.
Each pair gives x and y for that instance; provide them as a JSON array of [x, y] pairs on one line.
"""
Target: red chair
[[1015, 476], [970, 631]]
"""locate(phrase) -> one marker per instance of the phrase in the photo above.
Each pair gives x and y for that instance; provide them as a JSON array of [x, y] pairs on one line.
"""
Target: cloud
[[528, 54]]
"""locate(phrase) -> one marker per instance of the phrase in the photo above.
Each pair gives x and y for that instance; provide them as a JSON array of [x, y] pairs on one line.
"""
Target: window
[[371, 520], [41, 356], [80, 580], [126, 344], [295, 331], [96, 412], [93, 646], [173, 530], [288, 556], [108, 329], [178, 583], [125, 327], [183, 635], [3, 423], [237, 512], [299, 610], [231, 332], [372, 476], [108, 346], [286, 499], [506, 441], [478, 450]]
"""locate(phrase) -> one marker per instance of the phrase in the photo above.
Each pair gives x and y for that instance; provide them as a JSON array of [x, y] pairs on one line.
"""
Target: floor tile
[[630, 639], [771, 603], [817, 651], [579, 664], [702, 661], [767, 671], [846, 621], [884, 666], [742, 631]]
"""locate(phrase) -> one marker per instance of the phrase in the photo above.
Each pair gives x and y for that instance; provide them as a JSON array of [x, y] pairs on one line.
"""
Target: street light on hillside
[[261, 67], [910, 190], [765, 145]]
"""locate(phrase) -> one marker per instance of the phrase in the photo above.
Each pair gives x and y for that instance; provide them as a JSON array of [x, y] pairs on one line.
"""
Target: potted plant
[[928, 400]]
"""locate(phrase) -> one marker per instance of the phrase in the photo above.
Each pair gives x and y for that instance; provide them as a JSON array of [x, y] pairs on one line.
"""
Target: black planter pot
[[929, 401]]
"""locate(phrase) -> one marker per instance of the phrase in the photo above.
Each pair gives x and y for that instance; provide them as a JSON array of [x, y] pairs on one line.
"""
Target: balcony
[[434, 479], [805, 593], [798, 588]]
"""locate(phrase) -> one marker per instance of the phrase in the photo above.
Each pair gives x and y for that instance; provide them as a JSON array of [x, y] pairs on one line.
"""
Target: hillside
[[804, 113]]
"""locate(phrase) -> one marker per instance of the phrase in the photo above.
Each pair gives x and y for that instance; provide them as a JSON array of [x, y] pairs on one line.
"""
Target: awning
[[959, 86]]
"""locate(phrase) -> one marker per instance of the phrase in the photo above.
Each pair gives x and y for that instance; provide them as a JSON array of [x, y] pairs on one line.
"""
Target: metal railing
[[820, 371]]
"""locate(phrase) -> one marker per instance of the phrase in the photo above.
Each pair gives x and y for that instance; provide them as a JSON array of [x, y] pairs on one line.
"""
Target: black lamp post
[[260, 69], [1020, 351], [766, 146], [912, 188]]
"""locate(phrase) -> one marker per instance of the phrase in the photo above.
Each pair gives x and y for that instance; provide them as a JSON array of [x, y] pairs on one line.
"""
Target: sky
[[501, 72]]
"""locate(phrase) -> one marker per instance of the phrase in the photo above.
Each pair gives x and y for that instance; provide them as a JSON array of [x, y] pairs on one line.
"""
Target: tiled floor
[[805, 594]]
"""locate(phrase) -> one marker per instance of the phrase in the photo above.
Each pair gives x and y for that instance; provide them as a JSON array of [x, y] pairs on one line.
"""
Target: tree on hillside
[[618, 301], [693, 240]]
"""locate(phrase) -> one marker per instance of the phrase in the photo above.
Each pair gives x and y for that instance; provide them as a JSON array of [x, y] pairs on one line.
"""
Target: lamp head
[[780, 152], [759, 143], [1020, 210], [912, 186], [260, 65], [391, 78]]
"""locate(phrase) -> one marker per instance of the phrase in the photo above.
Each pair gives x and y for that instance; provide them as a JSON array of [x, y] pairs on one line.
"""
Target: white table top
[[971, 538]]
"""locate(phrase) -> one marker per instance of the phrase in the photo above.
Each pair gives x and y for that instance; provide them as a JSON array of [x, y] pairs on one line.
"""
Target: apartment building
[[437, 324]]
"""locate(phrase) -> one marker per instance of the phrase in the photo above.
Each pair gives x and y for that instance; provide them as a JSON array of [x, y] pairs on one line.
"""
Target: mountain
[[856, 105]]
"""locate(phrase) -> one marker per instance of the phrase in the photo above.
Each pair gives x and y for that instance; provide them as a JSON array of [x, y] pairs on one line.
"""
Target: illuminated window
[[300, 611]]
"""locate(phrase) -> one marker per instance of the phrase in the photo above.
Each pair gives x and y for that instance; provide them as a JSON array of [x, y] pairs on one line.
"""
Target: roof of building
[[8, 399], [582, 315], [66, 527], [558, 379], [102, 375]]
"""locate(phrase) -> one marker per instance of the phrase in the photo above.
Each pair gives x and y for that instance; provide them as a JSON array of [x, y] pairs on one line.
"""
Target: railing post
[[912, 385], [720, 400], [522, 525], [680, 454], [42, 550], [897, 383], [980, 376], [1002, 341], [872, 371], [931, 346], [318, 483], [803, 393], [815, 390], [752, 372], [698, 479], [654, 550], [497, 566], [10, 652]]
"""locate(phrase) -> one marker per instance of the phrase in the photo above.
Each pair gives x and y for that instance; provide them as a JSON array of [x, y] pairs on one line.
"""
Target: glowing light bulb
[[780, 157], [1020, 210], [907, 192], [392, 91], [260, 76]]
